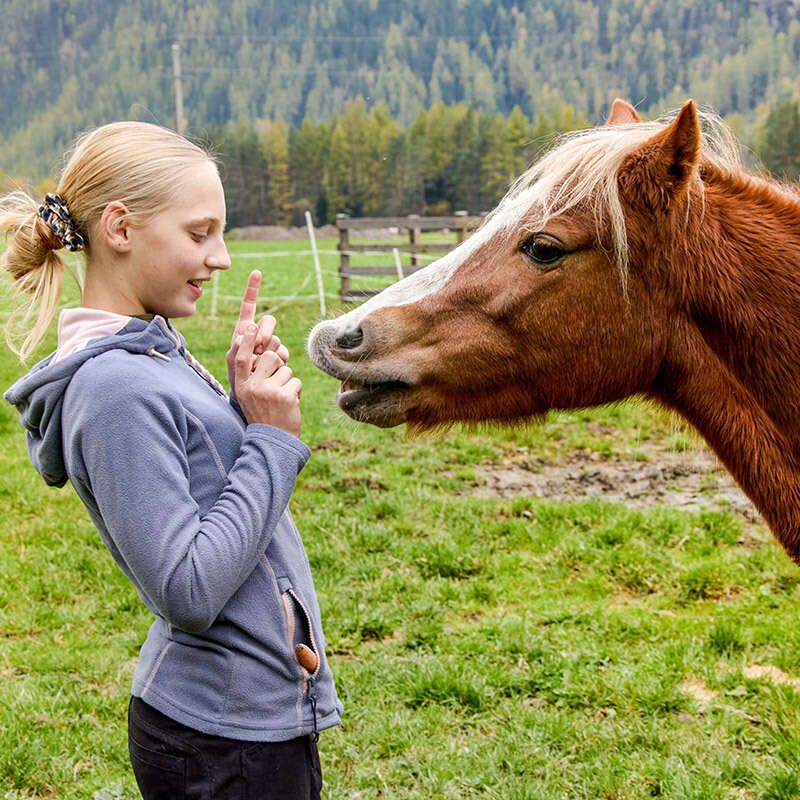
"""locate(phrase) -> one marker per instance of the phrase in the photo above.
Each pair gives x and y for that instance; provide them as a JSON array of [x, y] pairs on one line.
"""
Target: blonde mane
[[583, 168]]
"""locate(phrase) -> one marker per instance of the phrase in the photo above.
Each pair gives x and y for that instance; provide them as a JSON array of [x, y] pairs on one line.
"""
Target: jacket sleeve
[[234, 403], [131, 445]]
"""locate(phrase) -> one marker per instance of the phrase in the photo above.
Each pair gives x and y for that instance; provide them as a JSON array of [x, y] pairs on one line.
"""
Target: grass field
[[483, 647]]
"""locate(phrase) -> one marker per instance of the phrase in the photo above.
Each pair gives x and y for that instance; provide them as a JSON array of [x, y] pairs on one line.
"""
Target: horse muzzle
[[372, 389]]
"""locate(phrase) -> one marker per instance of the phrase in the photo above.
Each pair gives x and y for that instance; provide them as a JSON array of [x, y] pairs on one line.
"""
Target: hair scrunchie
[[54, 213]]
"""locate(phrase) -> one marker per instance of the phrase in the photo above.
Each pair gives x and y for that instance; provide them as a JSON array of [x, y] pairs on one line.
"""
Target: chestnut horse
[[634, 258]]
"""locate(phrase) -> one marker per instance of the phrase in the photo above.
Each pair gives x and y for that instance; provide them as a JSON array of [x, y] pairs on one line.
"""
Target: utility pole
[[180, 120]]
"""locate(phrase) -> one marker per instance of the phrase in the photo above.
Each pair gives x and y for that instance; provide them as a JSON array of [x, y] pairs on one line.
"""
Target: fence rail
[[459, 220], [459, 223]]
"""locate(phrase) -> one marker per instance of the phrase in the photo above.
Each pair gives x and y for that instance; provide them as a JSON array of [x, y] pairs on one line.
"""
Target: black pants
[[173, 762]]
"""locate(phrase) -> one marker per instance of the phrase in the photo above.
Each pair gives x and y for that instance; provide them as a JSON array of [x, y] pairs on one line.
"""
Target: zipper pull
[[312, 696]]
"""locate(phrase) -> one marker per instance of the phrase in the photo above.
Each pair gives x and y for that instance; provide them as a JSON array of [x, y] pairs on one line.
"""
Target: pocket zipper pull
[[306, 657], [312, 696]]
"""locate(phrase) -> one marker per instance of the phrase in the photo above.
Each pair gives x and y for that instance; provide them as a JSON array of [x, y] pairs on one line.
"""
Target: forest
[[373, 107], [363, 163]]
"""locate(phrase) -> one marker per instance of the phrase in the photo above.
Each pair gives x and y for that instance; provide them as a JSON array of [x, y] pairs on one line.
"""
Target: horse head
[[546, 306]]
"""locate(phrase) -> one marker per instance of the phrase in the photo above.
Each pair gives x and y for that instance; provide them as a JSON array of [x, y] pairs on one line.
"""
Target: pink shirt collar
[[78, 326]]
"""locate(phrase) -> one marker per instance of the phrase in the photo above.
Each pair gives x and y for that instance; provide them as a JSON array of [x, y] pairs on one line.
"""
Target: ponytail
[[37, 271]]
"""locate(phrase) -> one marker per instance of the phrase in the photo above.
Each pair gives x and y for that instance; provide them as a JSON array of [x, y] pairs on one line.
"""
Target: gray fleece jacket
[[192, 503]]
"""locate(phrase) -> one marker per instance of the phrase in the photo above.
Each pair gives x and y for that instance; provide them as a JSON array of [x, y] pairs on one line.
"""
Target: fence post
[[461, 225], [344, 257], [313, 240], [214, 293], [414, 236], [397, 264]]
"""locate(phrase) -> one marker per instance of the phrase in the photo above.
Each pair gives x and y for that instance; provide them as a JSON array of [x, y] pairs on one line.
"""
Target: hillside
[[66, 66]]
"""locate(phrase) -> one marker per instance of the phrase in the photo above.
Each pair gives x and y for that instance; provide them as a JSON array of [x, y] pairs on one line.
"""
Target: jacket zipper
[[311, 684]]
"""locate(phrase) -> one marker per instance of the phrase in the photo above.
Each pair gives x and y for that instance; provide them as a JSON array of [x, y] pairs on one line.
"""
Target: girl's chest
[[213, 427]]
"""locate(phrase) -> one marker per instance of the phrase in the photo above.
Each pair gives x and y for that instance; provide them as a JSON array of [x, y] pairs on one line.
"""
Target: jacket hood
[[39, 395]]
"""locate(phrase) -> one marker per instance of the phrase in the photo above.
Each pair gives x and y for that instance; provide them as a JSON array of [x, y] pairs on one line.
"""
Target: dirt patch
[[770, 673], [689, 481], [697, 689], [279, 233]]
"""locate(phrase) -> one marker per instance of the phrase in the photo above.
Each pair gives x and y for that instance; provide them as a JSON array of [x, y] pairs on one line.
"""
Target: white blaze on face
[[431, 279]]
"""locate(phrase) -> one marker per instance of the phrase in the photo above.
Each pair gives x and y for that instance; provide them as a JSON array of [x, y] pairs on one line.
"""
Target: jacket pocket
[[300, 630]]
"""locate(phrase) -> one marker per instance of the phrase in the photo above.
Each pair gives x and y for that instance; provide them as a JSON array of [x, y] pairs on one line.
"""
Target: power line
[[295, 71], [160, 43], [348, 38]]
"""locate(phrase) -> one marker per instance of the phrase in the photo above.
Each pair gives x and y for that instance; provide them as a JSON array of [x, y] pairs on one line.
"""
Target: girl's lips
[[195, 289]]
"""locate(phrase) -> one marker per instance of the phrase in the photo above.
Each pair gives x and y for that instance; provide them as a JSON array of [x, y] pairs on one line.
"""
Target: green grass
[[482, 648]]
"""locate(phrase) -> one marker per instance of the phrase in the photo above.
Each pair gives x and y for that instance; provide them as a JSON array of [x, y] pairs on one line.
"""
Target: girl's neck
[[104, 288]]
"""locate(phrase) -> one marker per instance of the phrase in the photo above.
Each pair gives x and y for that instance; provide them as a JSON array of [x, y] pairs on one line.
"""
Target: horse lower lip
[[351, 392], [351, 385], [380, 404]]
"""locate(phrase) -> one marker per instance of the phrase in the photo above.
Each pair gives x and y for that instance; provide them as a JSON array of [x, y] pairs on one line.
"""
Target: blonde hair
[[136, 163]]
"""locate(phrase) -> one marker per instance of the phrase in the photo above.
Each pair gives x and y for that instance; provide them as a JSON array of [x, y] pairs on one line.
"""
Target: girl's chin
[[184, 312], [175, 312]]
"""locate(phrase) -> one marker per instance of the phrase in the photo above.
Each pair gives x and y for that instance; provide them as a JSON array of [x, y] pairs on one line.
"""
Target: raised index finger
[[247, 311]]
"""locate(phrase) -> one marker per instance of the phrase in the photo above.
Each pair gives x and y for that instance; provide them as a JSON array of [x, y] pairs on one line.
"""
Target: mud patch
[[770, 673], [697, 689], [688, 481]]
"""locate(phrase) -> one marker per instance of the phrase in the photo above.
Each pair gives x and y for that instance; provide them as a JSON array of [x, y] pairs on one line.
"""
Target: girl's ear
[[114, 227], [660, 171]]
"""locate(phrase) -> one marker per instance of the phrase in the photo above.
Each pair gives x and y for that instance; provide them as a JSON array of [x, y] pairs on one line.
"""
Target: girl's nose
[[219, 260]]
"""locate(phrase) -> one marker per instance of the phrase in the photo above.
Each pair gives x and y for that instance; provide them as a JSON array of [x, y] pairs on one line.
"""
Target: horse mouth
[[379, 404], [378, 394]]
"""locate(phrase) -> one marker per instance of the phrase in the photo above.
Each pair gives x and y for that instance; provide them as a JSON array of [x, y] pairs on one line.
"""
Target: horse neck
[[733, 361]]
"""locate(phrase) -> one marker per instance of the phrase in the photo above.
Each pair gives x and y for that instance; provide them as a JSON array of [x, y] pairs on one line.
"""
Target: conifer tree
[[309, 145], [359, 148], [780, 149], [244, 174], [274, 142]]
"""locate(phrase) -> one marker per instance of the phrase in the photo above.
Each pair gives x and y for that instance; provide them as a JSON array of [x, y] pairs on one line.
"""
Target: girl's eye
[[542, 251], [198, 237]]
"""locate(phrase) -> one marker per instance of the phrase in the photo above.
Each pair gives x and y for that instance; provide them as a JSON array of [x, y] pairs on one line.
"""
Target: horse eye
[[542, 251]]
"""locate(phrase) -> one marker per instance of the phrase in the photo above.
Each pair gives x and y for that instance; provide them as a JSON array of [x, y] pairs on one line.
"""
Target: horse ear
[[661, 169], [622, 113]]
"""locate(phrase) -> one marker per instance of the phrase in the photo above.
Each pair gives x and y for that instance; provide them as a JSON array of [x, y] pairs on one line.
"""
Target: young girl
[[188, 488]]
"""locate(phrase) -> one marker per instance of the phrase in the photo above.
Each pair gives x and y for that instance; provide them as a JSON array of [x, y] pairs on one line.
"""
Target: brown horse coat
[[636, 258]]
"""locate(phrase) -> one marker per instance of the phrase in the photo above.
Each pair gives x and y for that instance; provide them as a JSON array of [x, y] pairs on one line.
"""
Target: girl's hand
[[265, 340], [268, 393]]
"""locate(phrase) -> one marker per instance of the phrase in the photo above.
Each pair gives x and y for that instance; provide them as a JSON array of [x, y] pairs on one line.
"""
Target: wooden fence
[[459, 224]]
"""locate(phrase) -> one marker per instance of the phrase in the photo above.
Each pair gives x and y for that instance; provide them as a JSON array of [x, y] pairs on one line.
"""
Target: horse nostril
[[350, 339]]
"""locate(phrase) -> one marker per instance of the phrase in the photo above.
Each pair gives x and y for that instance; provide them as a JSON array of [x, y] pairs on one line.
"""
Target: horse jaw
[[377, 385]]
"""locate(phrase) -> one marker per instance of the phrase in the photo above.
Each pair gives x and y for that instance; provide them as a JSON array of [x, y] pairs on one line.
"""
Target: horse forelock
[[583, 168]]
